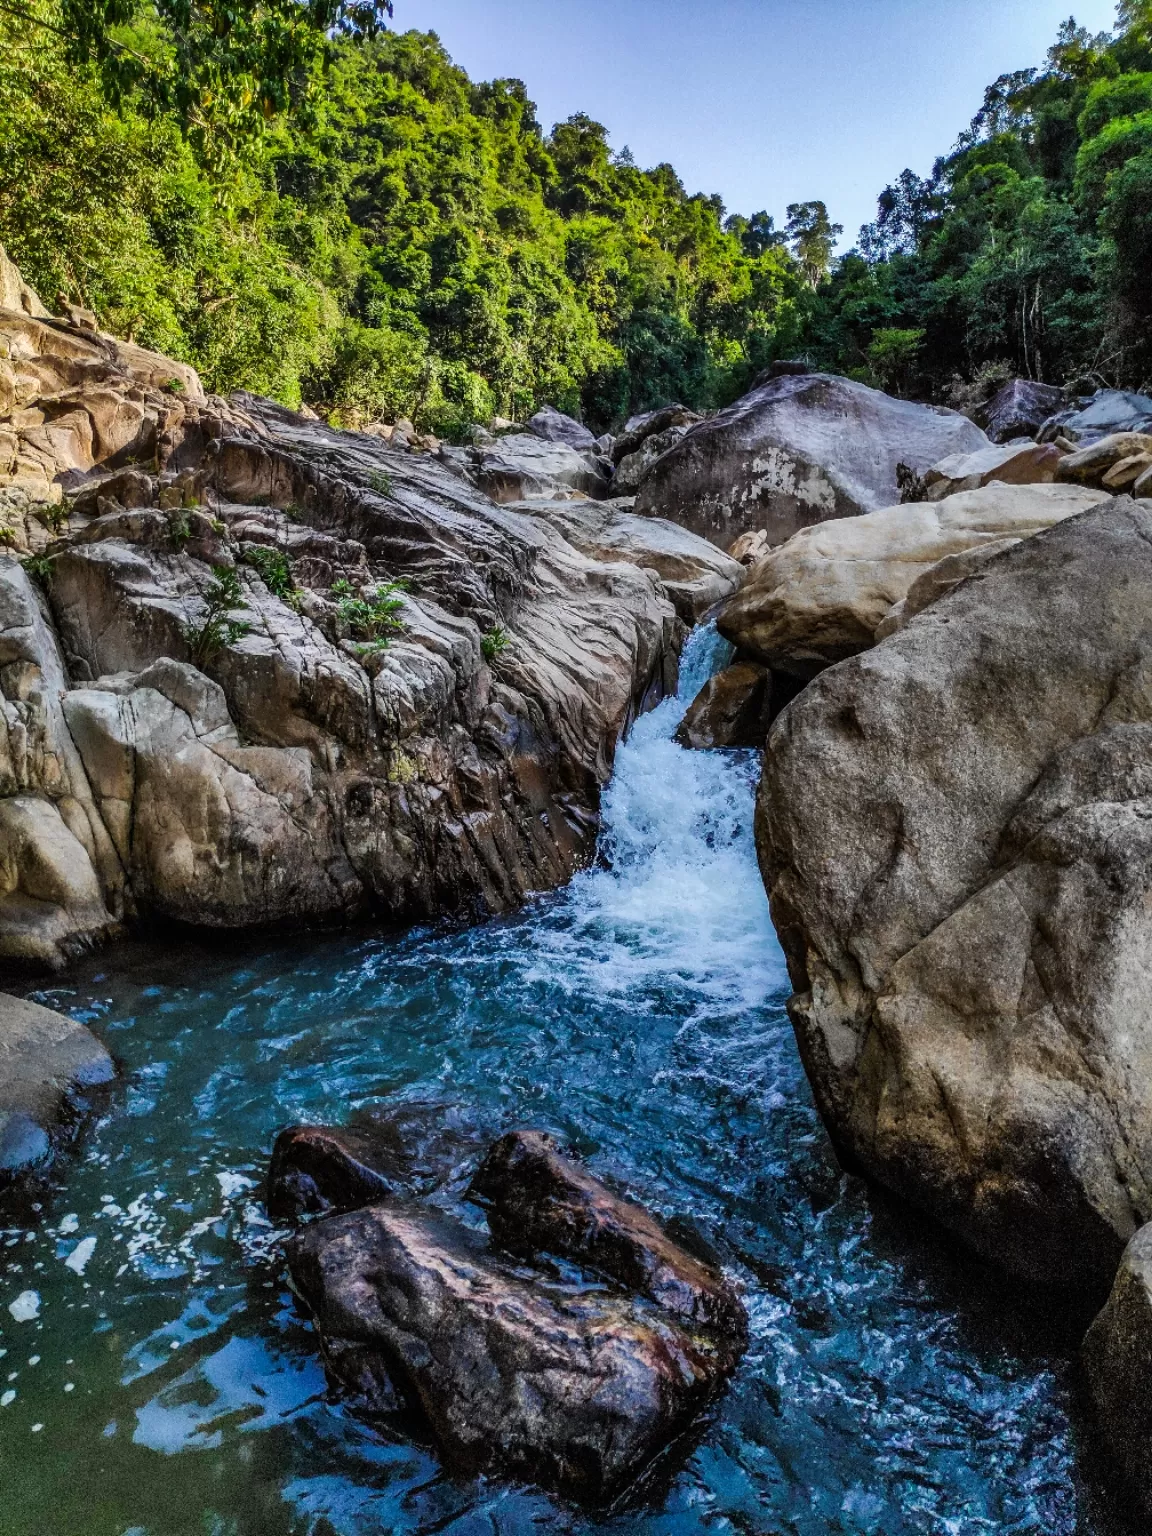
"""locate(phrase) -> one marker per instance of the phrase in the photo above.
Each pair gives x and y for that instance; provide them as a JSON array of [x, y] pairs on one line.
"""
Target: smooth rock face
[[1020, 409], [694, 575], [954, 831], [733, 709], [522, 465], [1108, 412], [1117, 1355], [554, 427], [798, 451], [573, 1391], [539, 1201], [15, 292], [1012, 464], [47, 1065], [820, 597]]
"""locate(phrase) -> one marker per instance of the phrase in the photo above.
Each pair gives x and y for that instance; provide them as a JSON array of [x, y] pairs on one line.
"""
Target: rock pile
[[574, 1384]]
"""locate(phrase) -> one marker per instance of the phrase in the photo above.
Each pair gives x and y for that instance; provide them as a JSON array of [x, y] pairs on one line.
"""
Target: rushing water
[[166, 1386]]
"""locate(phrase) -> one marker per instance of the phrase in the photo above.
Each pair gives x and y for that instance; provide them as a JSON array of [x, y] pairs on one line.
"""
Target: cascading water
[[155, 1379]]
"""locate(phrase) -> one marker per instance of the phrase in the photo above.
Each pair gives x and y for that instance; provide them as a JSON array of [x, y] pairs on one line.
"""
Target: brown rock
[[1088, 466], [732, 710], [573, 1391], [540, 1201]]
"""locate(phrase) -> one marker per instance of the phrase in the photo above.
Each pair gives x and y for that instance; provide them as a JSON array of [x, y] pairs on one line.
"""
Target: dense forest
[[393, 239]]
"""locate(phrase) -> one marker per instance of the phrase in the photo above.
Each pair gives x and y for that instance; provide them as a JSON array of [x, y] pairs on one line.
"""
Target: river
[[166, 1387]]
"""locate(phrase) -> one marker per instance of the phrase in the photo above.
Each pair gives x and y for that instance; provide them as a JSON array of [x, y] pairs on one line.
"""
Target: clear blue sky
[[767, 102]]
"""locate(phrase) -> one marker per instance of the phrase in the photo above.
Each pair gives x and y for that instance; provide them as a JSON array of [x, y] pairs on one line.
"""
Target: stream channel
[[166, 1386]]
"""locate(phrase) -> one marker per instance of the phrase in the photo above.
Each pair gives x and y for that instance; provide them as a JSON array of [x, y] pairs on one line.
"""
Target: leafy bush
[[217, 628], [495, 642], [373, 618], [274, 568]]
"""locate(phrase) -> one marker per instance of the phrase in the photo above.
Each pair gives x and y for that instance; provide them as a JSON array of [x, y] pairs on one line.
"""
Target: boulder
[[552, 426], [1107, 412], [651, 424], [1094, 464], [693, 573], [1117, 1355], [49, 1065], [821, 596], [750, 548], [539, 1201], [392, 1150], [798, 451], [954, 830], [522, 465], [1011, 464], [570, 1388], [631, 470], [1020, 409], [733, 709]]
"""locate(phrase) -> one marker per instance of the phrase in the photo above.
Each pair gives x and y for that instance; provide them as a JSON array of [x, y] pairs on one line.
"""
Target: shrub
[[217, 628]]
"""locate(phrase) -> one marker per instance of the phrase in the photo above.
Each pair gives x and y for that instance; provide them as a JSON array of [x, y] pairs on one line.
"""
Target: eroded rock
[[954, 831], [733, 709]]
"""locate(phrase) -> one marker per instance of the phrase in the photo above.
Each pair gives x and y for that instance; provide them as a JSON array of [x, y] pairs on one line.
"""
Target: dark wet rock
[[1117, 1355], [389, 1150], [553, 426], [540, 1201], [733, 709], [571, 1389], [49, 1064], [1020, 409], [798, 451]]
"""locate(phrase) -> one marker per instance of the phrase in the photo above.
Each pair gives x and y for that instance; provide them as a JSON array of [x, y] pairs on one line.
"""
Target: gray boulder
[[48, 1066], [552, 426], [1107, 412], [797, 451], [522, 465], [1020, 409], [630, 471], [651, 424], [954, 831]]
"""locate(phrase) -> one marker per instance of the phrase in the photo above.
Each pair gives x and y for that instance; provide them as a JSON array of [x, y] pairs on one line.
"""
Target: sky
[[767, 102]]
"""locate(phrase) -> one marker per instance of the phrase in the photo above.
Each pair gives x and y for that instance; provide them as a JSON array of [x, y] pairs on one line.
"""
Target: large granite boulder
[[693, 573], [552, 426], [821, 596], [632, 471], [798, 451], [953, 828], [638, 429], [1117, 1355], [49, 1067], [1010, 464], [1020, 409], [522, 465]]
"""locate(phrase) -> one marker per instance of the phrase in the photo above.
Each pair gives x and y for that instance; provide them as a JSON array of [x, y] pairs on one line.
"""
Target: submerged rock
[[540, 1201], [953, 829], [570, 1389], [733, 709], [48, 1064], [797, 451]]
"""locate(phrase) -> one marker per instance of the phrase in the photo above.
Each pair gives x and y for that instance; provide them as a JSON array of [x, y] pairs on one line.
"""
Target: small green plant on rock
[[55, 518], [374, 618], [274, 569], [39, 567], [495, 642], [380, 482], [217, 628], [7, 536], [179, 526]]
